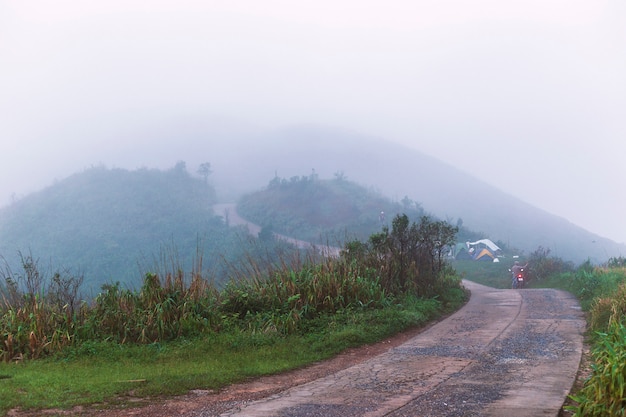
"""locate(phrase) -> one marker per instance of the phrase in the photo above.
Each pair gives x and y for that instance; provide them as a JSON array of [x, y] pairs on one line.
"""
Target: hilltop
[[314, 209]]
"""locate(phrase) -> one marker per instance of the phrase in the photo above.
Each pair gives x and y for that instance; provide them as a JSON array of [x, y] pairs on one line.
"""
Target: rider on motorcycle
[[516, 269]]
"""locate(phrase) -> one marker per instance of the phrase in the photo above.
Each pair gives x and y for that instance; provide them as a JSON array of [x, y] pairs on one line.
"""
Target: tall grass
[[38, 319], [179, 331]]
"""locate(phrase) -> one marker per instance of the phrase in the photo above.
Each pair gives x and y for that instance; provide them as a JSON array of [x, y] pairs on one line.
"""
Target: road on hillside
[[229, 212], [507, 352]]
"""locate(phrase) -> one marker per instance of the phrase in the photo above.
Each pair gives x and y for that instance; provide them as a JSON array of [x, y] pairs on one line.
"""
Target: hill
[[397, 171], [244, 159], [326, 211], [114, 225]]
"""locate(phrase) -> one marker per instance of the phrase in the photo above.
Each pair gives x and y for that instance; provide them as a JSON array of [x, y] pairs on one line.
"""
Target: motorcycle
[[519, 278]]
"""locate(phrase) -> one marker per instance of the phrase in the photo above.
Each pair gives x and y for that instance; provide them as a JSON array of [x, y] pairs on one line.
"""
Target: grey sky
[[477, 84]]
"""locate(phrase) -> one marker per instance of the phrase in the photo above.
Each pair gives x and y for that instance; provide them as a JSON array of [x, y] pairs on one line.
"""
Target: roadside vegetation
[[180, 331], [601, 291]]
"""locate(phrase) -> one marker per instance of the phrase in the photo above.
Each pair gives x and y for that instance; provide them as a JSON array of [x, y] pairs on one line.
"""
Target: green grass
[[109, 374], [492, 274], [110, 371]]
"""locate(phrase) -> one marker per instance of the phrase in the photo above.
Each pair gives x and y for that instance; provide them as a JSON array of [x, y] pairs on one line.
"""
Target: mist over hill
[[245, 158], [397, 171]]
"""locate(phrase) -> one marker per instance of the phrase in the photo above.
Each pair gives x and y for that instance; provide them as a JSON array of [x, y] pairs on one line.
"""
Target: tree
[[204, 170], [410, 256], [340, 176], [180, 167]]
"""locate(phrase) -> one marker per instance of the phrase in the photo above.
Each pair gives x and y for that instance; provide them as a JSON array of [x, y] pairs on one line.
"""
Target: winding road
[[506, 352]]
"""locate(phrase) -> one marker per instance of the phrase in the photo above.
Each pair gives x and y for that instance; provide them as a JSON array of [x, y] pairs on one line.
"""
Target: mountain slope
[[318, 210]]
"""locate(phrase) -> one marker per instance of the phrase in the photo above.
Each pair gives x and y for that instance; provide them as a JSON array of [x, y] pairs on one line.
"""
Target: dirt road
[[229, 212], [506, 352]]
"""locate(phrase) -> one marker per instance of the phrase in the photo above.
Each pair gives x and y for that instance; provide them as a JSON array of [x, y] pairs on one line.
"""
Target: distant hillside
[[323, 211], [397, 171], [113, 225]]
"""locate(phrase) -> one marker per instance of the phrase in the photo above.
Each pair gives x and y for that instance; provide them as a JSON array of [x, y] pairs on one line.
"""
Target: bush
[[410, 258]]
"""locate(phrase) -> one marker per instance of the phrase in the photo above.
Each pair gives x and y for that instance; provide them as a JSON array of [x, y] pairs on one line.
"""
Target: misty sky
[[529, 96]]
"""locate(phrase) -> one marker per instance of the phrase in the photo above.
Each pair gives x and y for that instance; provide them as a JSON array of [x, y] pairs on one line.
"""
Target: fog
[[527, 96]]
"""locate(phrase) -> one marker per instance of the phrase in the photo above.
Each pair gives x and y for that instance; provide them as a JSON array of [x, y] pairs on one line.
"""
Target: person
[[516, 269]]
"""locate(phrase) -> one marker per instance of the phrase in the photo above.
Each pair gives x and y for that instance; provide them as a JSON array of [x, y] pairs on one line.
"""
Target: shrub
[[409, 258]]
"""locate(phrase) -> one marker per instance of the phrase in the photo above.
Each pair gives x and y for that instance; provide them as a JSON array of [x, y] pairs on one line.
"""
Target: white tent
[[492, 246]]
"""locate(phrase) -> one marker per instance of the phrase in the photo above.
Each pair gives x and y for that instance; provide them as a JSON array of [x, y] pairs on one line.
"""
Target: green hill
[[323, 211], [114, 225]]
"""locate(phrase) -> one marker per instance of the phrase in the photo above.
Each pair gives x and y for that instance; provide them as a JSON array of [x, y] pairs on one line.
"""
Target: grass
[[109, 374], [492, 274]]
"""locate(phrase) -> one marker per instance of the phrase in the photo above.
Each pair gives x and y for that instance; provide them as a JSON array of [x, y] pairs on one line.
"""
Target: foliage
[[37, 321], [543, 265], [617, 262], [283, 295], [286, 298]]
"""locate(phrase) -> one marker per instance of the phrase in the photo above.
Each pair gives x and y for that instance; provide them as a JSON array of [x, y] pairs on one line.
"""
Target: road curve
[[506, 352], [229, 212]]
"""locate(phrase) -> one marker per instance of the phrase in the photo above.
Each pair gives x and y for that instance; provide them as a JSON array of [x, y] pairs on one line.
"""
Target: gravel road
[[506, 352]]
